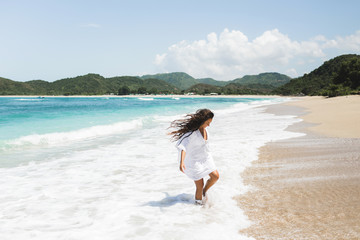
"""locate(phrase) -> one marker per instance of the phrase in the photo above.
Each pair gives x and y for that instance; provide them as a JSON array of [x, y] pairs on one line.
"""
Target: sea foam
[[77, 135], [146, 98]]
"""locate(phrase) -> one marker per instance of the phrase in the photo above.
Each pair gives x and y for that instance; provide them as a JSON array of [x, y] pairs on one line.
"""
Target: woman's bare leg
[[214, 176], [199, 188]]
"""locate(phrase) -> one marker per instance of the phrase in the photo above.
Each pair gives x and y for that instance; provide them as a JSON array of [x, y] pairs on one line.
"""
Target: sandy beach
[[308, 187], [333, 117]]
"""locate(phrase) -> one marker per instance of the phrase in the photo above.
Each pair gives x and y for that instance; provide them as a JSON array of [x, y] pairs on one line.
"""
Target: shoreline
[[307, 187], [144, 96]]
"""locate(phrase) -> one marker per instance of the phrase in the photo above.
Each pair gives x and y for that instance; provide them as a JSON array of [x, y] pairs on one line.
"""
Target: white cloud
[[232, 54], [347, 43]]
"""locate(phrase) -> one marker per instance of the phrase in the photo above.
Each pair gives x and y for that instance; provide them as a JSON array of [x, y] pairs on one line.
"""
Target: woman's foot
[[199, 202], [204, 197]]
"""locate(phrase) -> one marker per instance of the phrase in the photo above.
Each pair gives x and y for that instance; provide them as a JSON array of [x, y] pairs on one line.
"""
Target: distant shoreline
[[144, 96]]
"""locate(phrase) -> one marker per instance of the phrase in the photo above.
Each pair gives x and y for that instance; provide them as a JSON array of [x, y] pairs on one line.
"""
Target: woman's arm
[[182, 165]]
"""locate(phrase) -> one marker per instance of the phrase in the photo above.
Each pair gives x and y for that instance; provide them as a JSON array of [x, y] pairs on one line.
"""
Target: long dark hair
[[190, 123]]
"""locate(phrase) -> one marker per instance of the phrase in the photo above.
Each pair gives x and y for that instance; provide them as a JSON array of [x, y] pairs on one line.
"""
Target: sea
[[105, 168]]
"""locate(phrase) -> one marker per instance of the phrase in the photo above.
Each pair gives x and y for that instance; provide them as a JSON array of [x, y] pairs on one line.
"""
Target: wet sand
[[306, 187]]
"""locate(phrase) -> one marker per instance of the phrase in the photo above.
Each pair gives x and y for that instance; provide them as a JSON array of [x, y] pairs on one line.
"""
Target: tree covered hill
[[229, 89], [271, 78], [184, 81], [90, 84], [203, 88], [95, 84], [212, 81], [338, 76], [9, 87], [180, 80]]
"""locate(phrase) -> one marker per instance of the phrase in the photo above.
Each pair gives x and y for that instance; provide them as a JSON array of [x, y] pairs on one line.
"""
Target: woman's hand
[[182, 166]]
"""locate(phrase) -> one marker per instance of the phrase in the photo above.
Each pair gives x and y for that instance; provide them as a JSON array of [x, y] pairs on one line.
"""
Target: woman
[[194, 154]]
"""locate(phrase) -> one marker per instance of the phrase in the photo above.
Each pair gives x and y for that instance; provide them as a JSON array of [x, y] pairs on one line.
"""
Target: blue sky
[[51, 40]]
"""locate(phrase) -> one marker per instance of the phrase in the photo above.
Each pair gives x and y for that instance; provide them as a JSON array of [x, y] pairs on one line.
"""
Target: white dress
[[198, 160]]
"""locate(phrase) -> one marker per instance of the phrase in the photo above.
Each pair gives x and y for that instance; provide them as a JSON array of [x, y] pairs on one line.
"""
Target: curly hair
[[191, 123]]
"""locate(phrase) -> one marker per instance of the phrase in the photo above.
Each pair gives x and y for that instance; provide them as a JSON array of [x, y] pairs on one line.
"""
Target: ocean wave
[[29, 99], [146, 99], [77, 135], [242, 106]]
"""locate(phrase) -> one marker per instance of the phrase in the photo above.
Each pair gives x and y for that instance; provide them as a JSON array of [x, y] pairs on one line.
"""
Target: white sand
[[335, 117], [308, 187]]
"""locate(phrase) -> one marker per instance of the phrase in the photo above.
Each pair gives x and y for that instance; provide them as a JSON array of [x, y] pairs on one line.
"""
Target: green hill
[[9, 87], [212, 81], [202, 88], [95, 84], [229, 89], [153, 86], [184, 81], [263, 88], [39, 87], [338, 76], [178, 79], [234, 88], [90, 84], [273, 79]]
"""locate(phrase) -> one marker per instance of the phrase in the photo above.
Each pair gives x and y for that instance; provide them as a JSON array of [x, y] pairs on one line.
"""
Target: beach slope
[[308, 187]]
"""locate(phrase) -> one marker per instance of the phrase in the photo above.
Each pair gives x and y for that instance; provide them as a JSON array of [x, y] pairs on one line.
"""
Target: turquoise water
[[27, 116]]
